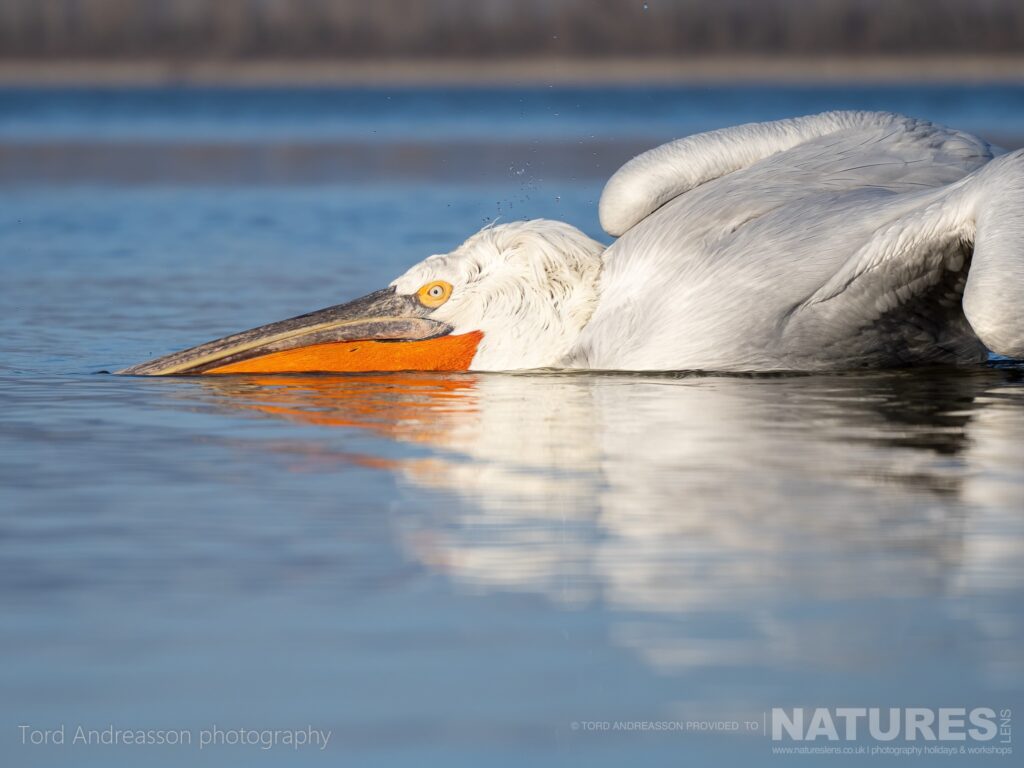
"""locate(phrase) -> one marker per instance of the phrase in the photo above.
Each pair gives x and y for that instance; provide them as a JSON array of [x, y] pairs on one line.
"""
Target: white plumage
[[845, 239]]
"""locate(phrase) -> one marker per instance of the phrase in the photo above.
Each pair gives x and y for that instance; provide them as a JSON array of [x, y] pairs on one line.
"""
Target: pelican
[[832, 241]]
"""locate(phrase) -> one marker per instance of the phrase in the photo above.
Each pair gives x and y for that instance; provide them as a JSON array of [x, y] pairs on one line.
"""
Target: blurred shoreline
[[739, 70]]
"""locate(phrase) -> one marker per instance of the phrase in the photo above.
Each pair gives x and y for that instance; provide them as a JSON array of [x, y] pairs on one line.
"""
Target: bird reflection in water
[[671, 498]]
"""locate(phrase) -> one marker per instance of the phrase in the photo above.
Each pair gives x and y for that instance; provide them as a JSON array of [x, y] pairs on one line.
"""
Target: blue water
[[544, 113], [451, 569]]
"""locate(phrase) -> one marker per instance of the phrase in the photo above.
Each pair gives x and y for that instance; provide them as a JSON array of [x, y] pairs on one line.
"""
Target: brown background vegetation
[[492, 29]]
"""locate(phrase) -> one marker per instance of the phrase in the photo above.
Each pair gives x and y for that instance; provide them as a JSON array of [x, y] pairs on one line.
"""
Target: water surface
[[450, 569]]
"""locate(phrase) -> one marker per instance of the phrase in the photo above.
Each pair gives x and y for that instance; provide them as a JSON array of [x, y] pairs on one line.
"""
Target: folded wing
[[655, 177], [848, 238], [973, 228]]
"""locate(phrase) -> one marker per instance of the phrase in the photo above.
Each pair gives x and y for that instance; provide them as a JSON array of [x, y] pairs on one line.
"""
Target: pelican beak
[[383, 331]]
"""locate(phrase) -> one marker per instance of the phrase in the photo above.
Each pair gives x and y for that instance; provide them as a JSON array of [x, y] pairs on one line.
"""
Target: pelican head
[[513, 296]]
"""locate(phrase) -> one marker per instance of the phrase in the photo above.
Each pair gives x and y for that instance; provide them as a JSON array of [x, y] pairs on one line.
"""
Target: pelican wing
[[651, 179], [966, 239], [833, 240]]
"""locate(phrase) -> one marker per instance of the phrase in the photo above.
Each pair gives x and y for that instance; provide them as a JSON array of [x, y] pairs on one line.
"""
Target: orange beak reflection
[[412, 407], [444, 353]]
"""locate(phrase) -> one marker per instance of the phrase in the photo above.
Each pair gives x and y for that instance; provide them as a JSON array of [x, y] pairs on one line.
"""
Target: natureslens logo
[[958, 724]]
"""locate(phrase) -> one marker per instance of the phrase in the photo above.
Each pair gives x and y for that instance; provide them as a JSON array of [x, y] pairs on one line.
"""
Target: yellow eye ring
[[434, 294]]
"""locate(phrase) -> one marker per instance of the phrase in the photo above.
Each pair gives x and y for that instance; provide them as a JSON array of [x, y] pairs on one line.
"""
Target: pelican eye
[[434, 294]]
